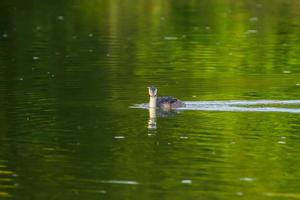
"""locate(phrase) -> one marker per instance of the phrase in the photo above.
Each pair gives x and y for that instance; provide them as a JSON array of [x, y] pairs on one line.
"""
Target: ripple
[[7, 181], [287, 195], [119, 182], [236, 106], [122, 182]]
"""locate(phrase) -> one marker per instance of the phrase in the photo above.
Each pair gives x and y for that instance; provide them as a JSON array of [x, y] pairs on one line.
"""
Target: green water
[[70, 70]]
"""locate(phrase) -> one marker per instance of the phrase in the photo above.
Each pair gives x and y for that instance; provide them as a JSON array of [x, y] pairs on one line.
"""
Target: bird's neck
[[152, 102]]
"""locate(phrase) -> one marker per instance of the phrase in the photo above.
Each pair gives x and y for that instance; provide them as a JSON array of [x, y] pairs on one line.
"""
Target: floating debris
[[61, 17], [35, 58], [251, 31], [21, 79], [184, 137], [207, 27], [286, 72], [247, 179], [297, 84], [120, 182], [240, 193], [170, 38], [186, 181], [119, 137], [91, 35], [38, 28], [5, 35], [281, 142]]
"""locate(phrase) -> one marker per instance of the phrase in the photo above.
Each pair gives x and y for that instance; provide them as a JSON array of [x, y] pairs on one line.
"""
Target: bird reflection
[[152, 119], [154, 113]]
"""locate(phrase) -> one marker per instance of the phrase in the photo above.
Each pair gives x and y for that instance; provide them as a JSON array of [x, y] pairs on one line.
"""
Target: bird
[[165, 103]]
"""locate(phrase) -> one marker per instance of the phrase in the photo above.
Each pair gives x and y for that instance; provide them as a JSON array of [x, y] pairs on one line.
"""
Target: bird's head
[[152, 91]]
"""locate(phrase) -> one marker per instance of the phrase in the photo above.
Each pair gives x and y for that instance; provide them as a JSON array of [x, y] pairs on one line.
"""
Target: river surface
[[73, 72]]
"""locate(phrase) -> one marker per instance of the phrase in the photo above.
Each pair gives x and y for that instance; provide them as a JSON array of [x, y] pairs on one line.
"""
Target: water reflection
[[152, 118], [69, 71], [155, 113]]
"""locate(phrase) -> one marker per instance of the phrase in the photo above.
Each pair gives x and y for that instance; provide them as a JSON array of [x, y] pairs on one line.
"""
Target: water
[[70, 72]]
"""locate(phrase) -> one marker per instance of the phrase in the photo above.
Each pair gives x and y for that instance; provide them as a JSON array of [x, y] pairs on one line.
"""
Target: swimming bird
[[166, 103]]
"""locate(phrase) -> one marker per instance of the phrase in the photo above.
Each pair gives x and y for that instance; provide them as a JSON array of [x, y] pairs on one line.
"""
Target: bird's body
[[165, 103], [168, 103]]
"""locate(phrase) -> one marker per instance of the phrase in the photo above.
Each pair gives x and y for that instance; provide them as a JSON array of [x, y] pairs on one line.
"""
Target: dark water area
[[71, 70]]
